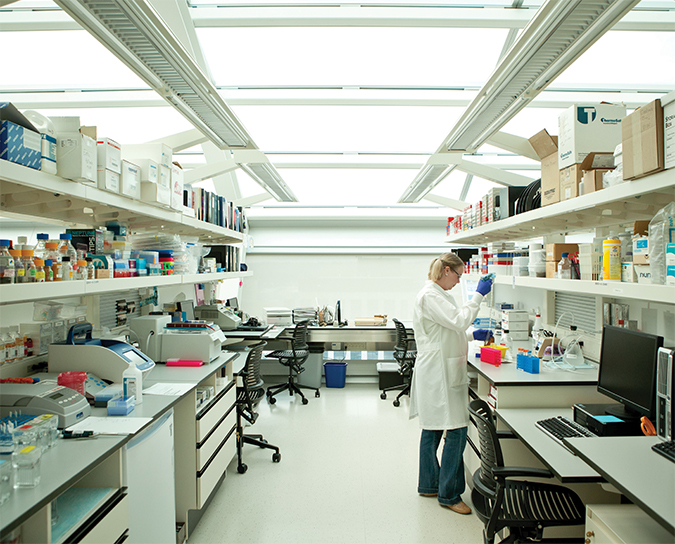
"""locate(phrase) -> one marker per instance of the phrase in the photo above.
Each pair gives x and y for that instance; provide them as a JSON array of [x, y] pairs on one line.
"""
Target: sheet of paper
[[169, 389], [111, 425]]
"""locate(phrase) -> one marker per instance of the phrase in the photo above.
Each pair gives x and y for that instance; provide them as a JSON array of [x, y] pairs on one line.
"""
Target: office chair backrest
[[300, 336], [490, 450], [401, 337], [252, 367]]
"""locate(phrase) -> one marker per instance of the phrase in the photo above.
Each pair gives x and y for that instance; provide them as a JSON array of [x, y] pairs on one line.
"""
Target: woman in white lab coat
[[439, 393]]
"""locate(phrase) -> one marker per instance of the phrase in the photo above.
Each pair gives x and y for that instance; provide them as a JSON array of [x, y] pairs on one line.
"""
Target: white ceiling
[[348, 101]]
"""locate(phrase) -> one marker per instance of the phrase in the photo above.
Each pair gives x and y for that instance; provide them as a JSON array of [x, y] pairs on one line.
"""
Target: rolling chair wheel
[[305, 401], [276, 457], [242, 468], [383, 396], [272, 400], [317, 394], [397, 403]]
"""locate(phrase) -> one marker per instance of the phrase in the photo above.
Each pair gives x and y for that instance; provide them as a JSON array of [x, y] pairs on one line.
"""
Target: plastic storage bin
[[528, 363], [336, 374]]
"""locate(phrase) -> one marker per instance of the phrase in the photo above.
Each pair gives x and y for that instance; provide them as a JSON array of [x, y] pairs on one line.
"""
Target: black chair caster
[[397, 403], [304, 401], [272, 400], [276, 457], [383, 396], [241, 469], [317, 394]]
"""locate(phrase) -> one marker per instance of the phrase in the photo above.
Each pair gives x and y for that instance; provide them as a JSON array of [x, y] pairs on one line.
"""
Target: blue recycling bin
[[336, 374]]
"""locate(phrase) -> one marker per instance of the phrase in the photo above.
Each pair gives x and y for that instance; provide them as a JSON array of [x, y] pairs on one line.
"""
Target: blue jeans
[[447, 479]]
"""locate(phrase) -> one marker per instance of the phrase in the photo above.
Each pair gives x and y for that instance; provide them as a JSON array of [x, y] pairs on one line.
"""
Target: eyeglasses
[[459, 276]]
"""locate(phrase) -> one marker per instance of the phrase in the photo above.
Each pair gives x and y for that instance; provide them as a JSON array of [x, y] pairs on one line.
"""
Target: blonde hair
[[438, 265]]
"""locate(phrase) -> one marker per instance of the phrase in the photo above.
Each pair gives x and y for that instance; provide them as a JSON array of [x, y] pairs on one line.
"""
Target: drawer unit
[[208, 478], [208, 420], [112, 526], [208, 447]]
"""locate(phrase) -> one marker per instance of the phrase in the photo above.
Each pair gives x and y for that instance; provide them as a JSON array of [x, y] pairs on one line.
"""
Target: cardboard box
[[554, 251], [641, 250], [164, 176], [642, 141], [91, 238], [552, 269], [154, 193], [130, 182], [641, 228], [569, 181], [546, 148], [587, 128], [177, 187], [160, 153], [592, 180], [668, 105], [89, 131], [108, 181], [149, 169], [76, 157], [109, 155], [643, 273], [20, 141]]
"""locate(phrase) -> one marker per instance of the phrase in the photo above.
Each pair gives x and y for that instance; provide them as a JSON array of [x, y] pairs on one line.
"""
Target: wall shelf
[[623, 203], [641, 291], [38, 195], [28, 292]]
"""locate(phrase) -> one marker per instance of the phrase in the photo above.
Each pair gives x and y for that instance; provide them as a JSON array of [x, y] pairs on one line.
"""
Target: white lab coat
[[439, 391]]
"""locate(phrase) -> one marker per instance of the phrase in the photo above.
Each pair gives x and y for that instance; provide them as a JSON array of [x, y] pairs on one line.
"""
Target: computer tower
[[665, 416]]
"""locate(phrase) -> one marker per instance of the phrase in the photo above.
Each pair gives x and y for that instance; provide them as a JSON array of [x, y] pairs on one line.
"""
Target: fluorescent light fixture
[[430, 176], [557, 35], [267, 176], [134, 32]]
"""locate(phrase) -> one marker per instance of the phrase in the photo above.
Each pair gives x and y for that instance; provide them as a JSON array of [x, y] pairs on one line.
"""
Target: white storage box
[[519, 336], [160, 153], [668, 104], [109, 155], [154, 193], [109, 181], [130, 180], [516, 326], [76, 157], [176, 188], [643, 273], [588, 128], [149, 169], [164, 177], [515, 315]]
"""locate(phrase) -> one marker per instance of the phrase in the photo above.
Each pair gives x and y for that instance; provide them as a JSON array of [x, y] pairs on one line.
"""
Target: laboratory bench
[[204, 444]]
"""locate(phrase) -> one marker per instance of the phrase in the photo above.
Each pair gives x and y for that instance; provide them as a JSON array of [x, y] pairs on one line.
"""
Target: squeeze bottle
[[132, 382]]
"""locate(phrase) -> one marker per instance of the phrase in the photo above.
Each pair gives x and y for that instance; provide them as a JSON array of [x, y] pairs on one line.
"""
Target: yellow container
[[611, 259]]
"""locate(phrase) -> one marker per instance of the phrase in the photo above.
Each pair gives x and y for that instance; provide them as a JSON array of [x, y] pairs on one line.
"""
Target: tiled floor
[[348, 474]]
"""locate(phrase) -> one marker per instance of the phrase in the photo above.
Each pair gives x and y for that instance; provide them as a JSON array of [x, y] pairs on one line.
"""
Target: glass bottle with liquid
[[30, 270], [66, 269], [66, 249], [81, 273], [7, 267], [40, 276], [91, 270], [55, 258], [49, 271], [19, 270], [40, 250]]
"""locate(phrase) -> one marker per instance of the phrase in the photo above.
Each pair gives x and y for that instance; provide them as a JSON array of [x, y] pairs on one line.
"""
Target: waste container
[[336, 373], [311, 377]]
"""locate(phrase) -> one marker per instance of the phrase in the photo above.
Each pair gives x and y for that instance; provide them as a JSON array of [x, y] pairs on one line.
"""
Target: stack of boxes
[[20, 142], [517, 323], [109, 165], [76, 154], [154, 163]]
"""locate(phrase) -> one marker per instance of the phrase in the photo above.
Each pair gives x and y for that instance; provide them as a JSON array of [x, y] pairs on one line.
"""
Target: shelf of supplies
[[641, 291], [623, 203], [36, 194], [28, 292]]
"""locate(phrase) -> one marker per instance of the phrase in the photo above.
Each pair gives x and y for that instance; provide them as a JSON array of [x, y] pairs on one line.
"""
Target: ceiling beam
[[182, 140], [513, 144], [210, 170], [493, 174], [662, 20], [252, 200]]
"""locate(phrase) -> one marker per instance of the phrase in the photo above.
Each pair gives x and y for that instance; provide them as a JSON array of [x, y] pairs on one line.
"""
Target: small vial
[[40, 276], [26, 463], [66, 269], [81, 273], [91, 270]]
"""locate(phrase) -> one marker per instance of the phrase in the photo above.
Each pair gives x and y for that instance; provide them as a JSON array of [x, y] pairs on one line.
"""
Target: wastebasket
[[336, 374], [311, 377]]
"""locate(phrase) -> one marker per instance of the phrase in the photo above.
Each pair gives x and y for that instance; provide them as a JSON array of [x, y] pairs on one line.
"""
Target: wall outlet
[[356, 346], [336, 346]]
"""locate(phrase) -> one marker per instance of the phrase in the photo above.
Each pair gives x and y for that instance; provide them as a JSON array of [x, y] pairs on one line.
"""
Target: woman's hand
[[484, 286], [482, 334]]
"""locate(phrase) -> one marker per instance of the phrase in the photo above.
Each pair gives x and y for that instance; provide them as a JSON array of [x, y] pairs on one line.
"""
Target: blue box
[[121, 406], [20, 142], [528, 363]]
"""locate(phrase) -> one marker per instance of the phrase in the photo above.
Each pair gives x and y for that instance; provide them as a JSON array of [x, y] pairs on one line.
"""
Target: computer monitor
[[628, 371], [188, 308], [232, 303]]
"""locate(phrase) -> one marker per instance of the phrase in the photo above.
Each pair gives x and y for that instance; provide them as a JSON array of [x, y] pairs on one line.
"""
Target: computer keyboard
[[667, 449], [560, 427]]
